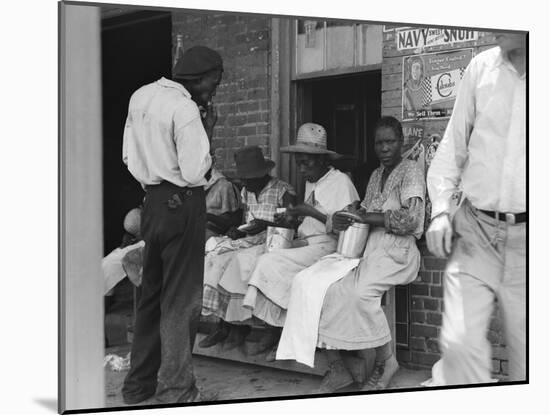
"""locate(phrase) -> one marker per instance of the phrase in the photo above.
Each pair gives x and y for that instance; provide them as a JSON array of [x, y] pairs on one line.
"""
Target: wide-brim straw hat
[[251, 163], [311, 139]]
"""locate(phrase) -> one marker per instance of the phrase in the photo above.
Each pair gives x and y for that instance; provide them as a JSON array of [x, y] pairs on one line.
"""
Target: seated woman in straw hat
[[226, 271], [327, 190], [336, 303]]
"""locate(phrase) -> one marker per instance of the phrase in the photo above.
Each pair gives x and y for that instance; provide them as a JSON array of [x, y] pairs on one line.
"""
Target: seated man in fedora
[[327, 190], [226, 274]]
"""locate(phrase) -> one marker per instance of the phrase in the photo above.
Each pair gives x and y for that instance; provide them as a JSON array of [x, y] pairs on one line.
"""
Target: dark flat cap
[[197, 61]]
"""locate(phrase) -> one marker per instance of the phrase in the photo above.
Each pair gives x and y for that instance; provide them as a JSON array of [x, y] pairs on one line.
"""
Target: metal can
[[352, 241], [278, 238]]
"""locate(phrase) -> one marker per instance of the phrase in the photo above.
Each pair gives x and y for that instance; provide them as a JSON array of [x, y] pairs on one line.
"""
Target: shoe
[[202, 397], [337, 377], [382, 375], [237, 336], [265, 344], [218, 336], [206, 397], [135, 399]]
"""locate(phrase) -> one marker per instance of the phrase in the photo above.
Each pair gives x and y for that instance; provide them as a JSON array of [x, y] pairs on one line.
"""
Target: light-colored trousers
[[488, 259]]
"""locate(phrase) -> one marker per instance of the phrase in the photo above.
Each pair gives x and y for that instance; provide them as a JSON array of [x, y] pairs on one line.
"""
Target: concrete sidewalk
[[237, 380]]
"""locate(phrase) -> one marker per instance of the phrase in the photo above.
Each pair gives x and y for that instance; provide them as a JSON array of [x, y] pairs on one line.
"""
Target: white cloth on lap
[[299, 337]]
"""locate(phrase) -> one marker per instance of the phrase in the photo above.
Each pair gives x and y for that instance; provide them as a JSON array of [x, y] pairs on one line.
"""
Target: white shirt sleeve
[[192, 145], [446, 168], [341, 193]]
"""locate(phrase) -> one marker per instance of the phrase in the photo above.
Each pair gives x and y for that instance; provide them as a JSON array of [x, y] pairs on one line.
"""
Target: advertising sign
[[430, 83], [414, 38]]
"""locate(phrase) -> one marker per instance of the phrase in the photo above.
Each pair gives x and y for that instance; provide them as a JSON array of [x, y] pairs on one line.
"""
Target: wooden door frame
[[81, 339], [288, 112]]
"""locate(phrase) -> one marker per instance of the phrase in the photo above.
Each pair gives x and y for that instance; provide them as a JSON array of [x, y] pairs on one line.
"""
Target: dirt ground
[[235, 380], [230, 379]]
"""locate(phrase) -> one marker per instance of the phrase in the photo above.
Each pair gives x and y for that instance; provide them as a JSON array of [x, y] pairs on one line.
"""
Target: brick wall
[[425, 313], [243, 97], [426, 302]]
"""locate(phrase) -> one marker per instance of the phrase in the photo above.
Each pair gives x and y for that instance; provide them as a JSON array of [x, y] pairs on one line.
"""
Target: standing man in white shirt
[[483, 151], [167, 149]]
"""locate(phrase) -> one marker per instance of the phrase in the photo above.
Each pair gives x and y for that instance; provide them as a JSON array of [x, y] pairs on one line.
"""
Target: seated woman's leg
[[222, 296], [269, 289], [353, 319], [385, 366]]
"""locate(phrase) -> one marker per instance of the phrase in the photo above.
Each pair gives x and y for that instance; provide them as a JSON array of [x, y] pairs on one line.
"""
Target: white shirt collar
[[324, 177], [502, 59], [167, 83]]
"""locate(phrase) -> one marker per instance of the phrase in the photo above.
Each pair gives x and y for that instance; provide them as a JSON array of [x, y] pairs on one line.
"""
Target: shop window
[[334, 45]]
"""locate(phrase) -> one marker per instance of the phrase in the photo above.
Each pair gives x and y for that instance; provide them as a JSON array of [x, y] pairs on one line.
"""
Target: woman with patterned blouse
[[351, 317]]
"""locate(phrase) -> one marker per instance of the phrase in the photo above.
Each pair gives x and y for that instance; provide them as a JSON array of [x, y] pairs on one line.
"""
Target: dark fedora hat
[[251, 163], [196, 61]]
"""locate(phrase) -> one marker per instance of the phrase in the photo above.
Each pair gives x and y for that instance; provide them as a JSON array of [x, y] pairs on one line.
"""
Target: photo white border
[[29, 206]]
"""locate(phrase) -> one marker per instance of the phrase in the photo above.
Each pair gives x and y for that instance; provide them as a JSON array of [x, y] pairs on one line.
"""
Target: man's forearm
[[318, 215]]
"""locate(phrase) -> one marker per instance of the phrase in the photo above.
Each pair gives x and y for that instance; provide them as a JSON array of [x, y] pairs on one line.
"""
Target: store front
[[282, 72]]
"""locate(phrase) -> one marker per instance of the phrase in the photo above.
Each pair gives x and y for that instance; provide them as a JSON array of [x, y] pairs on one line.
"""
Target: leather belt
[[510, 218]]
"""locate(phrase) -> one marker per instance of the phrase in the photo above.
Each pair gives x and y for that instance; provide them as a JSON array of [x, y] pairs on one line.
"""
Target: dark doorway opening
[[136, 50], [348, 107]]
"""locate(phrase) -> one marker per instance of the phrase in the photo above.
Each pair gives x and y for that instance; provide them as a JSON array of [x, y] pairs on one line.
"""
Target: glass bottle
[[178, 52]]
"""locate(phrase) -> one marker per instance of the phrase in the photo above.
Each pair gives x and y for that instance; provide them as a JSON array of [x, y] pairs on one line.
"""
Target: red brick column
[[243, 97]]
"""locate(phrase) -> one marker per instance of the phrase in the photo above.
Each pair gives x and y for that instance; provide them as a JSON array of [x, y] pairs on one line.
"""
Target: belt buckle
[[510, 218]]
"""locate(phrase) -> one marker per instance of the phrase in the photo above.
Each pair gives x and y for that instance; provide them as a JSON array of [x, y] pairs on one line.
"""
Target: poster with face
[[430, 83]]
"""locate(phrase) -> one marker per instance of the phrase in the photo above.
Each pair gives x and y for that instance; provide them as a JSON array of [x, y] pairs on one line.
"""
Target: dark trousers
[[172, 225]]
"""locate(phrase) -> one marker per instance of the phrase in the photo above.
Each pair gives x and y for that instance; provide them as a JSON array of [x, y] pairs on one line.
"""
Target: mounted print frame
[[280, 72]]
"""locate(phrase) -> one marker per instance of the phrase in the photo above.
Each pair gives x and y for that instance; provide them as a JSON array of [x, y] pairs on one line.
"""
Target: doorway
[[136, 50], [348, 107]]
